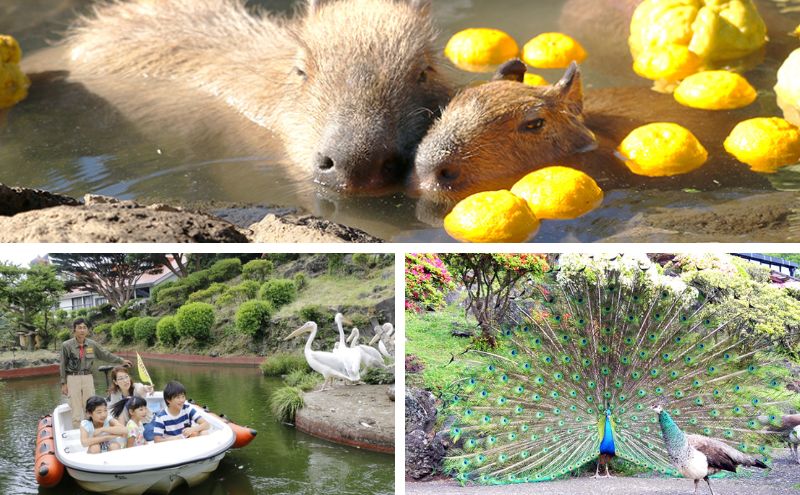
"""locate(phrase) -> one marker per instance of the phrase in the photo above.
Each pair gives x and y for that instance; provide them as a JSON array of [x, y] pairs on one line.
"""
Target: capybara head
[[366, 87], [492, 134]]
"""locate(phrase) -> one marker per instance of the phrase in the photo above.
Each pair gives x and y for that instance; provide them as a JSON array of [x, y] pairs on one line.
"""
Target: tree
[[175, 262], [490, 280], [112, 275], [28, 294]]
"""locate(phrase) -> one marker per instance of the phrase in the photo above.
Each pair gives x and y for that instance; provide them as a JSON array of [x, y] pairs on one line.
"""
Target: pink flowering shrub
[[427, 281]]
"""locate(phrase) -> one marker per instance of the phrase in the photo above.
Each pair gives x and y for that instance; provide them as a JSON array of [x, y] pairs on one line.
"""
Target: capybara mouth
[[387, 178]]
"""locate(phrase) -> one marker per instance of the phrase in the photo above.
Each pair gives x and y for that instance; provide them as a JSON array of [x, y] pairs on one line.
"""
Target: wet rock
[[424, 455], [305, 228], [420, 410], [15, 200]]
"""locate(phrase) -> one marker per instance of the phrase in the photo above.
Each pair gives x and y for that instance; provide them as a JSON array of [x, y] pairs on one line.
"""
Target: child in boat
[[100, 432], [179, 420], [123, 387], [137, 412]]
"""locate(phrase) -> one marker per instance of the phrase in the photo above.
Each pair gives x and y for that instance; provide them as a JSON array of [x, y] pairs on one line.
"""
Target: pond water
[[280, 460], [69, 141]]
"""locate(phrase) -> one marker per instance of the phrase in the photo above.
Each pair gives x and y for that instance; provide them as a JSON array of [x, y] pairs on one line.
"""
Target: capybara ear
[[421, 5], [569, 88], [513, 70]]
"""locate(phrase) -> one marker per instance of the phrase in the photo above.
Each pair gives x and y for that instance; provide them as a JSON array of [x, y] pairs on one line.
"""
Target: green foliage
[[258, 270], [253, 316], [82, 312], [63, 334], [145, 330], [282, 363], [281, 258], [171, 296], [361, 260], [279, 291], [129, 332], [225, 269], [195, 320], [208, 293], [316, 313], [195, 281], [335, 263], [378, 376], [167, 331], [127, 310], [239, 293], [123, 330], [61, 316], [303, 380], [285, 402], [118, 330], [427, 281], [300, 280], [26, 293], [102, 329]]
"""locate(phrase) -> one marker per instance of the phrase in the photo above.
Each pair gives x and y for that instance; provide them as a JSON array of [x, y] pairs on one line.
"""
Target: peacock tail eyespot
[[636, 375], [504, 378], [554, 394], [547, 360], [484, 393], [519, 410], [714, 413], [576, 377], [697, 384], [472, 381], [561, 423], [755, 401], [737, 410], [539, 415], [737, 388], [701, 346], [698, 401], [625, 360], [526, 329], [659, 390], [693, 421], [666, 356], [536, 397], [643, 354], [716, 392], [679, 394], [591, 384], [504, 421], [501, 401], [688, 360], [674, 374], [486, 419], [490, 368], [573, 408], [618, 383], [583, 342], [654, 372], [507, 333], [652, 337], [586, 362], [726, 356], [752, 368], [641, 393], [622, 398], [513, 352], [631, 318], [538, 380], [557, 318], [607, 395], [519, 389], [526, 366], [605, 371], [468, 412], [678, 339], [607, 309]]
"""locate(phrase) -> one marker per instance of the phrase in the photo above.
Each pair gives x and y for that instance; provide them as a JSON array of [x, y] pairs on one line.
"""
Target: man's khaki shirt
[[71, 362]]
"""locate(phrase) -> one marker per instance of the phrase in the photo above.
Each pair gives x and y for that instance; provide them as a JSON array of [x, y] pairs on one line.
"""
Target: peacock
[[592, 348]]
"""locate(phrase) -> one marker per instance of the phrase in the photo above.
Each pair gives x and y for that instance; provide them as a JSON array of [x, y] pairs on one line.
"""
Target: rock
[[423, 455], [390, 392], [420, 410], [15, 200], [305, 228]]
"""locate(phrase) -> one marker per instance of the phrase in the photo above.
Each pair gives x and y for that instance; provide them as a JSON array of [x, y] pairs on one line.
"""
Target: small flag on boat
[[144, 376]]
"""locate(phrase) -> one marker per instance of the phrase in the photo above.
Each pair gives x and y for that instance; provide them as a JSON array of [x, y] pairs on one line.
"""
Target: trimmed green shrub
[[63, 334], [257, 270], [239, 293], [282, 363], [195, 320], [61, 316], [122, 331], [130, 329], [195, 281], [361, 260], [203, 294], [253, 316], [145, 330], [317, 314], [300, 280], [279, 291], [102, 328], [225, 269], [118, 329], [171, 297], [167, 330], [285, 402]]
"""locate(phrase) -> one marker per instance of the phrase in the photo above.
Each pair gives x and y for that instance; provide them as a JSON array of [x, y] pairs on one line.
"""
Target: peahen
[[573, 379], [697, 457]]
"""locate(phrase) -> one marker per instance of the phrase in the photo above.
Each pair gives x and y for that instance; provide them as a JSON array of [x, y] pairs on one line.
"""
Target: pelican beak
[[376, 338], [300, 331], [338, 318]]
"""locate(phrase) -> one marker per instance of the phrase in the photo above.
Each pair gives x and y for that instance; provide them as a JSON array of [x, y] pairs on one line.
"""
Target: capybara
[[349, 87], [491, 135]]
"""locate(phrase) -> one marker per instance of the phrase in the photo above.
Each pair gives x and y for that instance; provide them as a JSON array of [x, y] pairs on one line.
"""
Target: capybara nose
[[362, 174], [323, 163]]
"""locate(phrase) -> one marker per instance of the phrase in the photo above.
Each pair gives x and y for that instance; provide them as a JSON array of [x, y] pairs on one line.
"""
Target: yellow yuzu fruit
[[662, 149], [559, 193], [491, 216]]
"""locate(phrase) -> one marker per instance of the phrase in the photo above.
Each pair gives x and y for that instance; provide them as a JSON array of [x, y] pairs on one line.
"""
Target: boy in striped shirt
[[179, 420]]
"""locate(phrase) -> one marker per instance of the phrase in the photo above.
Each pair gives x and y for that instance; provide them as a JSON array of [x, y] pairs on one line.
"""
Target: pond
[[280, 460], [68, 140]]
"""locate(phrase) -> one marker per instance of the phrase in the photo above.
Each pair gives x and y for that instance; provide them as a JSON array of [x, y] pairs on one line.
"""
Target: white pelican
[[350, 357], [370, 357], [384, 336], [326, 364]]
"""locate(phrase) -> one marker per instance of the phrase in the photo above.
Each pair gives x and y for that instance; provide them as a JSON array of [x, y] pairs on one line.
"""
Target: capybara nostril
[[394, 168], [323, 163], [448, 174]]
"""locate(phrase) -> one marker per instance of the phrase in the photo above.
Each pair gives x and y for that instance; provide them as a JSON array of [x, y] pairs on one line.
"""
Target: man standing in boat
[[77, 356]]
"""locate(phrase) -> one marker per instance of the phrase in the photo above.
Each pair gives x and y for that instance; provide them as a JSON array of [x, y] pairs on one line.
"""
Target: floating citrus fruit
[[491, 216], [662, 149], [13, 85], [480, 49], [9, 50], [534, 80], [714, 30], [559, 193], [788, 88], [669, 63], [552, 51], [765, 143], [715, 90]]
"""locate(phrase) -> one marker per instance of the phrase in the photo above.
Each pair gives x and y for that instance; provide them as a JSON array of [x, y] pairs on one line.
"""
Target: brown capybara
[[349, 87], [491, 135]]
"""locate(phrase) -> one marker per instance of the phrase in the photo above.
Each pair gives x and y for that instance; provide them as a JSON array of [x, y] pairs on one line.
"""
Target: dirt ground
[[783, 479]]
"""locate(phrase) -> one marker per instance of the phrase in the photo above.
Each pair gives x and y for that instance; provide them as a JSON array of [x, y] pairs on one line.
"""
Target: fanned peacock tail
[[621, 339]]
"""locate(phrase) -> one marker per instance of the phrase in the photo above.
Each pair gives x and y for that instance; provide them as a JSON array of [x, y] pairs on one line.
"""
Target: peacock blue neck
[[673, 436], [607, 444]]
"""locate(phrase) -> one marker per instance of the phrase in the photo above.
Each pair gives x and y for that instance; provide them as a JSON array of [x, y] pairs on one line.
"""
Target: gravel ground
[[783, 479]]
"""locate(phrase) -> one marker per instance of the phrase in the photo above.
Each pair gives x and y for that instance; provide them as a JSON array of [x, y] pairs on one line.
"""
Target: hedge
[[253, 316], [257, 270], [195, 320], [279, 291], [167, 330], [145, 330]]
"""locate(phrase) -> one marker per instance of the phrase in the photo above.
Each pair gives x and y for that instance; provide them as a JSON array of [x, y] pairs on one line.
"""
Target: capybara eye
[[423, 76], [300, 72], [532, 125]]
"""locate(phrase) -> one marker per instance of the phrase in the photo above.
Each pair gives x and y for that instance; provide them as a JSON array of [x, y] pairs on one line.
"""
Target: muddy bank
[[30, 215], [252, 361], [360, 416], [25, 364]]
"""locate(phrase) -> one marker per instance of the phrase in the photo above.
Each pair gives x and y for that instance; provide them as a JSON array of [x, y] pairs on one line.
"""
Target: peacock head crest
[[608, 413]]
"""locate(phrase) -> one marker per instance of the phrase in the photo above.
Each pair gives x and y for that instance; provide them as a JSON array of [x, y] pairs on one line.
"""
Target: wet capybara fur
[[491, 135], [349, 87]]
